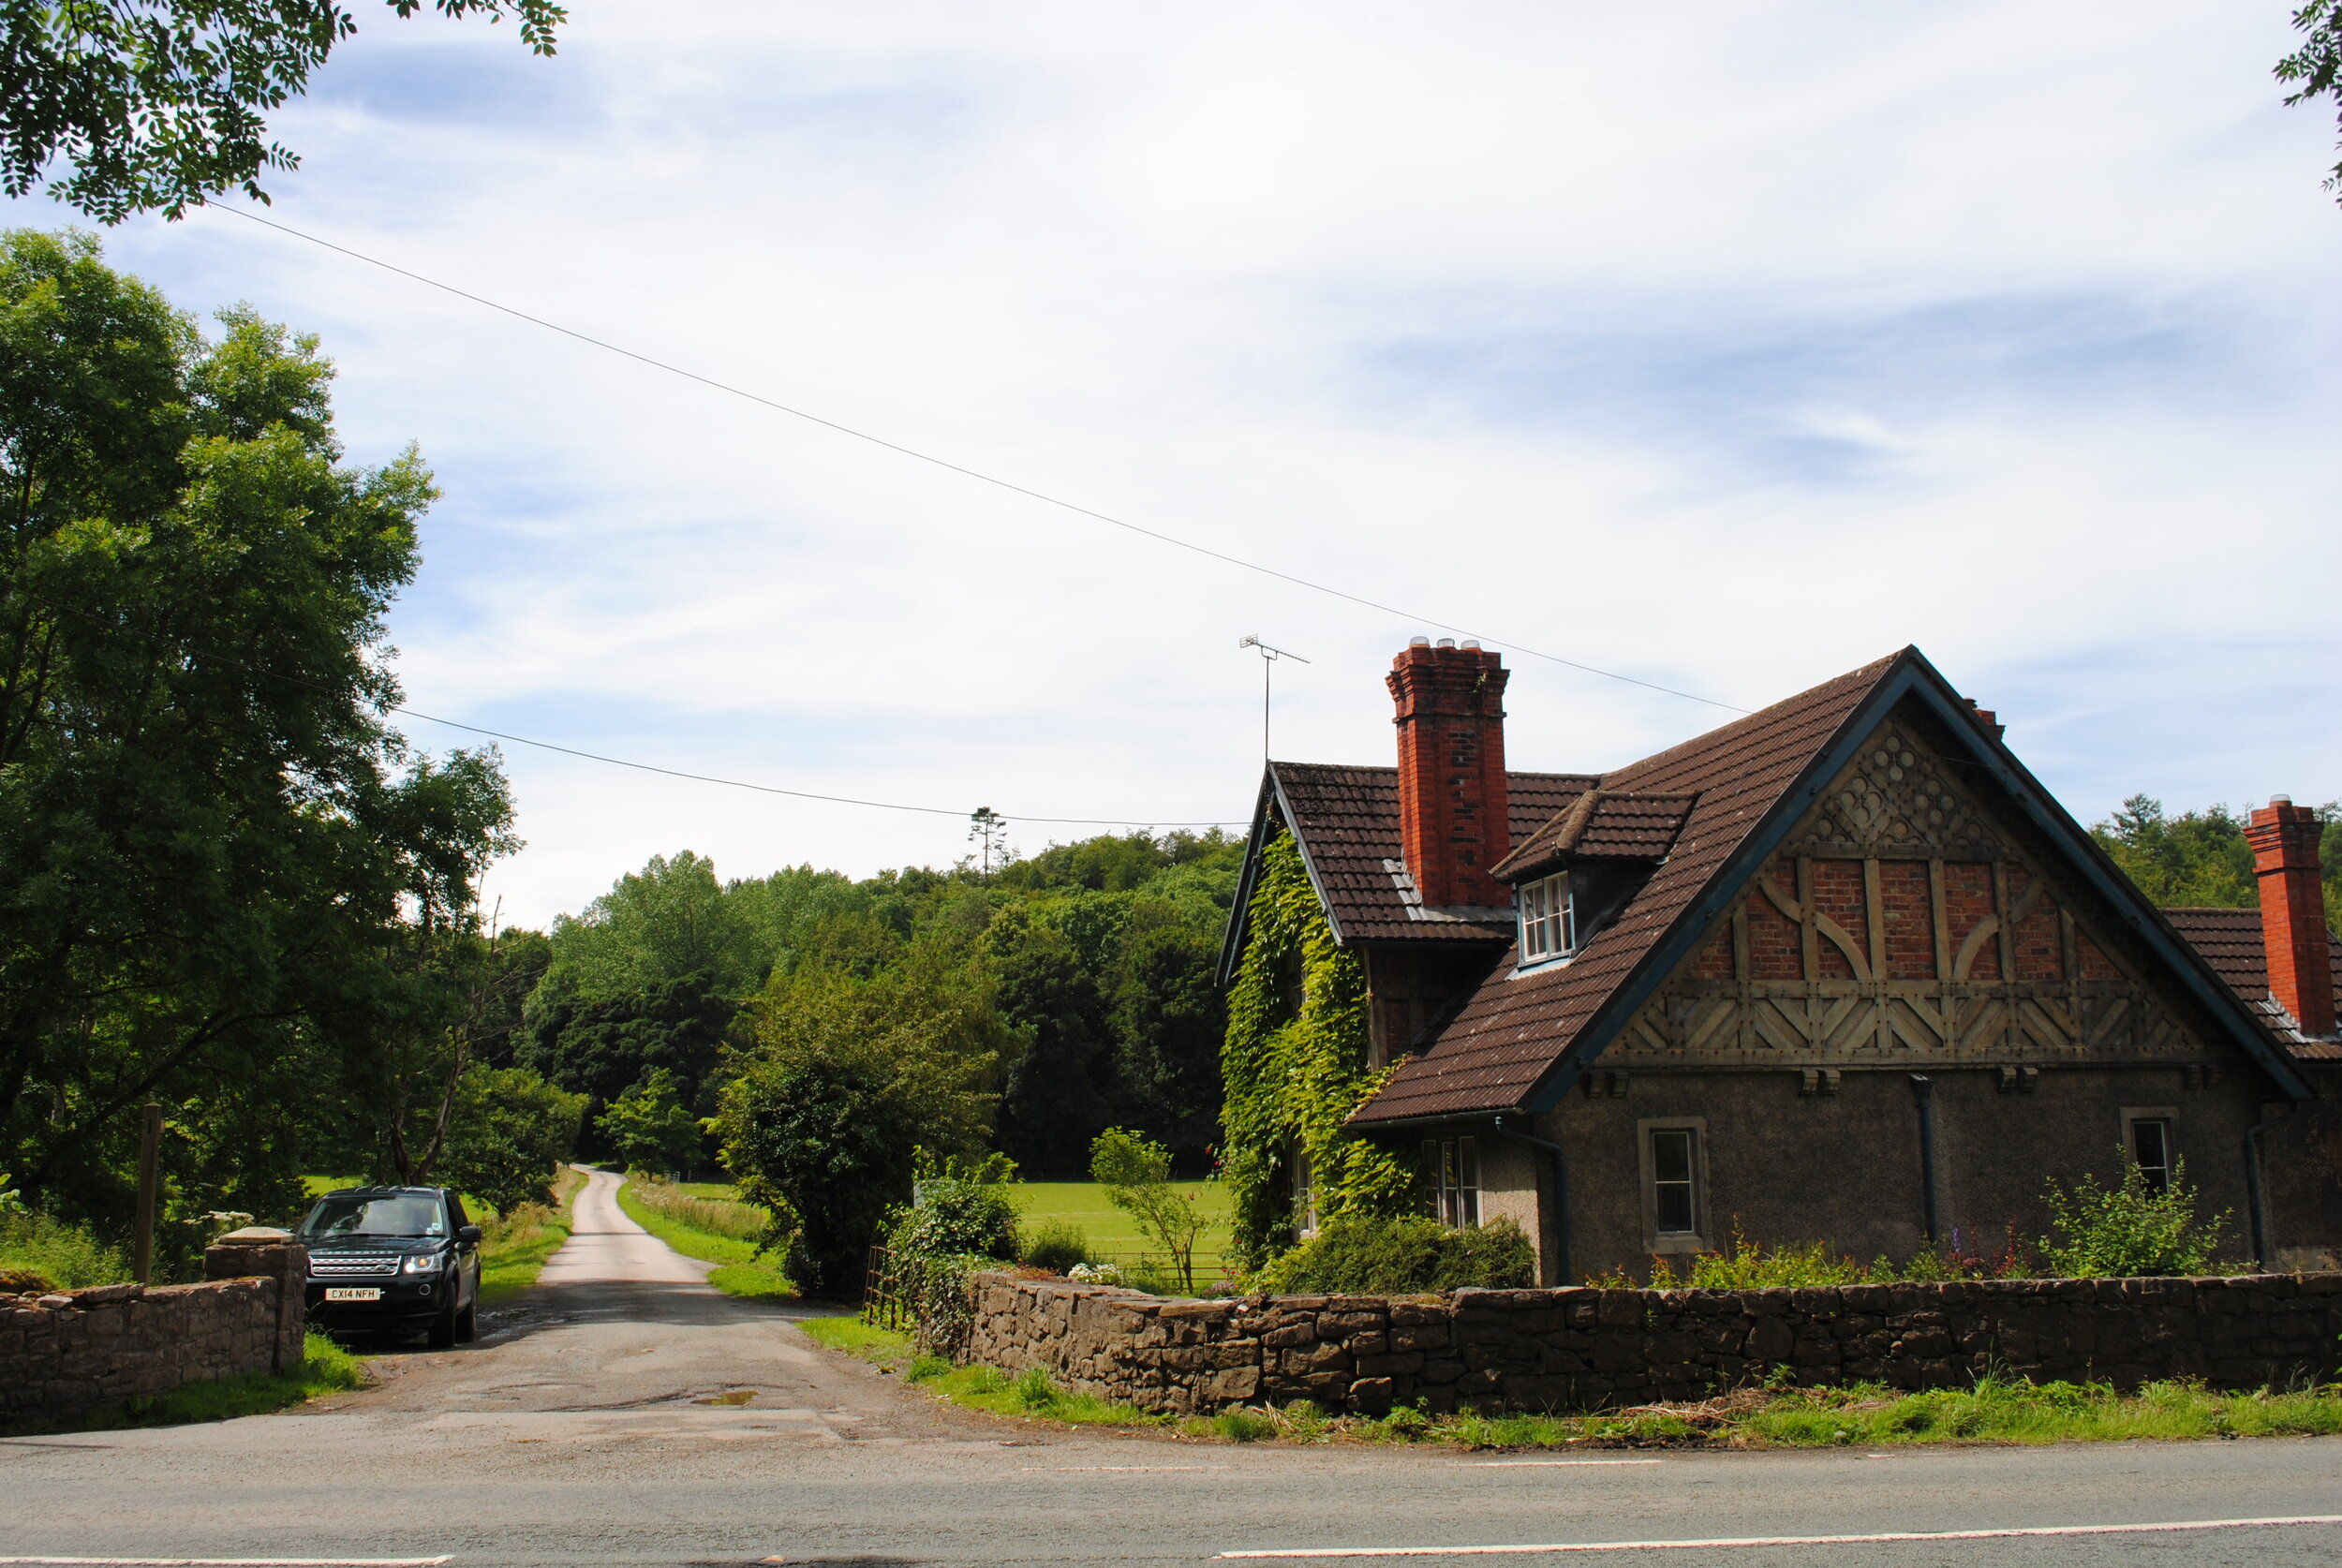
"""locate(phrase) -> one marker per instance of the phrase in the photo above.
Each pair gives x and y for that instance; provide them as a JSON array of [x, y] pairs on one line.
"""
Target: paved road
[[573, 1433]]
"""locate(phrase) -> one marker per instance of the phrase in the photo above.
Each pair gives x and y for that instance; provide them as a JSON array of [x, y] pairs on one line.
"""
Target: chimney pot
[[1418, 642], [2284, 839], [1454, 803], [1447, 641]]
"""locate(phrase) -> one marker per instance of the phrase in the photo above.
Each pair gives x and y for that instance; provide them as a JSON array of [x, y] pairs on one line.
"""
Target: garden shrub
[[1401, 1255], [2131, 1231], [963, 1206], [56, 1255], [1059, 1246]]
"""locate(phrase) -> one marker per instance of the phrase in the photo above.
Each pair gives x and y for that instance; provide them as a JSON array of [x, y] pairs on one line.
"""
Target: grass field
[[1112, 1234]]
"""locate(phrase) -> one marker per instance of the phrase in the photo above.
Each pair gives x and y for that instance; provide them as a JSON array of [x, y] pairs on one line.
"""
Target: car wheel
[[467, 1323], [443, 1329]]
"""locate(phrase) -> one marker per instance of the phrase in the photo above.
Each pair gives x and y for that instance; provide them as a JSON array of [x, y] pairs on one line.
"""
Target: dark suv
[[395, 1259]]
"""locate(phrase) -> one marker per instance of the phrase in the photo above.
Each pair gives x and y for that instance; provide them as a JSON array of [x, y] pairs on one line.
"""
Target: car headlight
[[423, 1262]]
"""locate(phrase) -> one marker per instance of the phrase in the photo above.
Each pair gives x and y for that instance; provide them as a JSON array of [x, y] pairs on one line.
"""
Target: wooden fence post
[[150, 1178]]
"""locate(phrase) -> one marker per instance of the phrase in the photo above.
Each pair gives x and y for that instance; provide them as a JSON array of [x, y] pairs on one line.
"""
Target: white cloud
[[1725, 347]]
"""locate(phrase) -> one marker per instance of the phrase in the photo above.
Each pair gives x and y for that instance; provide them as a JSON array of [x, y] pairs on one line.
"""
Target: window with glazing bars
[[1549, 918], [2151, 1151], [1451, 1179], [1673, 1210]]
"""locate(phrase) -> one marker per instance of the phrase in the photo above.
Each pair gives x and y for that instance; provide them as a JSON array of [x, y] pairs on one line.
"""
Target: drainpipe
[[1923, 1090], [1561, 1195], [2256, 1199]]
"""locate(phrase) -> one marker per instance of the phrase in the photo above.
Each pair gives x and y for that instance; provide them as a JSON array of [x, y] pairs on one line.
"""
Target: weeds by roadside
[[681, 1220], [1997, 1411], [515, 1246]]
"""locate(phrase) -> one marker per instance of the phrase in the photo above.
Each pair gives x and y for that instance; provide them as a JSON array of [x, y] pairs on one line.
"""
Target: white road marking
[[1714, 1542], [229, 1561], [1547, 1464], [1056, 1469]]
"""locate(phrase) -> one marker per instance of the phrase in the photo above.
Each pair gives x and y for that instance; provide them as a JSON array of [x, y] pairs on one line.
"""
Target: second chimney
[[2284, 838], [1453, 810]]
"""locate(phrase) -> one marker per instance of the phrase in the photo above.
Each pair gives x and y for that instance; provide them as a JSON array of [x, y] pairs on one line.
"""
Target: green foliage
[[60, 1255], [2200, 858], [963, 1206], [159, 105], [608, 1047], [2315, 69], [848, 1079], [231, 888], [1058, 1247], [1295, 1067], [2130, 1231], [516, 1244], [510, 1131], [1371, 1254], [721, 1217], [672, 921], [733, 1241], [1136, 1173], [650, 1128]]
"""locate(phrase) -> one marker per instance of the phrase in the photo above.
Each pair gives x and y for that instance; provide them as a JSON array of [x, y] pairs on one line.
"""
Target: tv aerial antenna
[[1268, 656]]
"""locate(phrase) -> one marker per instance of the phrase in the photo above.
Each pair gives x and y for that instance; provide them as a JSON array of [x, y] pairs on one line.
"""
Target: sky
[[1725, 348]]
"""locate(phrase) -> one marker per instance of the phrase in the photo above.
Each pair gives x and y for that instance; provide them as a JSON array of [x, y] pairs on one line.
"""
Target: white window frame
[[1669, 1243], [2169, 1116], [1451, 1180], [1549, 918]]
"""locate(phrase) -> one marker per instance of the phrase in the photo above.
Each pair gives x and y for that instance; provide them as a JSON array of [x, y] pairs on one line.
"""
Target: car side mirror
[[467, 1234]]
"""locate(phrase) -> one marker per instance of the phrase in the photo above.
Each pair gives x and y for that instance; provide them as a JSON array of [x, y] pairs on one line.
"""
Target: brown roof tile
[[1602, 824], [2231, 942], [1347, 821], [1514, 1029]]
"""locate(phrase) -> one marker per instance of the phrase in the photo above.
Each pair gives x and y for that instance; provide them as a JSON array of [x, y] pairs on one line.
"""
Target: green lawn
[[1111, 1233], [1115, 1234]]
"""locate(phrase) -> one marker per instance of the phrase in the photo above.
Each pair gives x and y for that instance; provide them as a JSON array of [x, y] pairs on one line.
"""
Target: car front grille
[[352, 1265]]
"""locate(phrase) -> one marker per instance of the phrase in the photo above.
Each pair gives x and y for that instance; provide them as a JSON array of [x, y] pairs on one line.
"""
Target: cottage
[[1839, 971]]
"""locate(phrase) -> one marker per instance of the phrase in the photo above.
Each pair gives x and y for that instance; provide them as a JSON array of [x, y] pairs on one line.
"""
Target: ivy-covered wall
[[1295, 1066]]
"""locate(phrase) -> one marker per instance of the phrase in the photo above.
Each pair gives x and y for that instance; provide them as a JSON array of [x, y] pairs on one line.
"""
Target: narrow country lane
[[573, 1433]]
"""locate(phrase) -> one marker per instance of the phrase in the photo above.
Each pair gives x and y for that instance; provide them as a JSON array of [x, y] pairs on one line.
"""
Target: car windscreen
[[360, 1214]]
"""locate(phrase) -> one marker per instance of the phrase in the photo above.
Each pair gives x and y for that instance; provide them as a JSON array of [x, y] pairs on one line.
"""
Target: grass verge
[[1996, 1411], [514, 1247], [327, 1368], [738, 1270]]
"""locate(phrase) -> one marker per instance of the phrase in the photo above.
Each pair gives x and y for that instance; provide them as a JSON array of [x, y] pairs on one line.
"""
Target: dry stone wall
[[1582, 1348], [74, 1350]]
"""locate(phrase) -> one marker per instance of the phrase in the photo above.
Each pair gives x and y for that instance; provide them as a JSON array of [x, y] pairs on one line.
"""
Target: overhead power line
[[798, 794], [1011, 485]]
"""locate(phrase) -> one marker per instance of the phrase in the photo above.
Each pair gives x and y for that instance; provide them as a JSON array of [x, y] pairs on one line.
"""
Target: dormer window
[[1549, 918]]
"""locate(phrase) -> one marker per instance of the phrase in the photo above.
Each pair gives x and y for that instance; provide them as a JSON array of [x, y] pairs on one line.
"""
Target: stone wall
[[1580, 1348], [74, 1350]]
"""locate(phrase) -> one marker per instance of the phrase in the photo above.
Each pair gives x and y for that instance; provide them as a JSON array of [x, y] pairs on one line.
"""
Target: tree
[[2317, 65], [849, 1080], [2200, 858], [159, 103], [225, 883], [1136, 1174], [1059, 1093], [650, 1129], [1169, 1019], [601, 1049], [671, 920], [511, 1132]]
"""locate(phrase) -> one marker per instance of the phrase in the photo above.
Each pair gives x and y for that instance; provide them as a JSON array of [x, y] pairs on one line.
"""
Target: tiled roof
[[2232, 943], [1511, 1033], [1347, 821], [1602, 824]]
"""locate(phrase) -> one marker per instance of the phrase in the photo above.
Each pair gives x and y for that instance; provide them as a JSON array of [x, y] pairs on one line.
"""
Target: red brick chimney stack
[[1454, 811], [2284, 838]]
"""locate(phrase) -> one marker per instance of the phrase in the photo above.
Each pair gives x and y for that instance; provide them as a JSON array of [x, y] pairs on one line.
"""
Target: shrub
[[511, 1132], [54, 1254], [1244, 1425], [2131, 1230], [963, 1206], [650, 1127], [1058, 1246], [1401, 1255], [1136, 1171]]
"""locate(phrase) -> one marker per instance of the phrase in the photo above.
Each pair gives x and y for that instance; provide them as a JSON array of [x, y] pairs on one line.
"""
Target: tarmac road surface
[[574, 1432]]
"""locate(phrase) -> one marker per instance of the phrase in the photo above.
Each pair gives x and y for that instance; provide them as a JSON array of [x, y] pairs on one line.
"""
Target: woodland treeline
[[1075, 984]]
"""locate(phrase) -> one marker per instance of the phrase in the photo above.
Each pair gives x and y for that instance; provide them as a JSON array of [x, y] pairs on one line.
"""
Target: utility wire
[[973, 473], [775, 790]]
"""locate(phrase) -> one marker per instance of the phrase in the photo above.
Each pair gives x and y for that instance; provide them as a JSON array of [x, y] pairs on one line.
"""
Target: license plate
[[354, 1292]]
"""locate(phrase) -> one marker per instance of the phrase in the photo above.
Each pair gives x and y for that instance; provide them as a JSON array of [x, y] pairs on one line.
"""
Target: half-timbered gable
[[1839, 971]]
